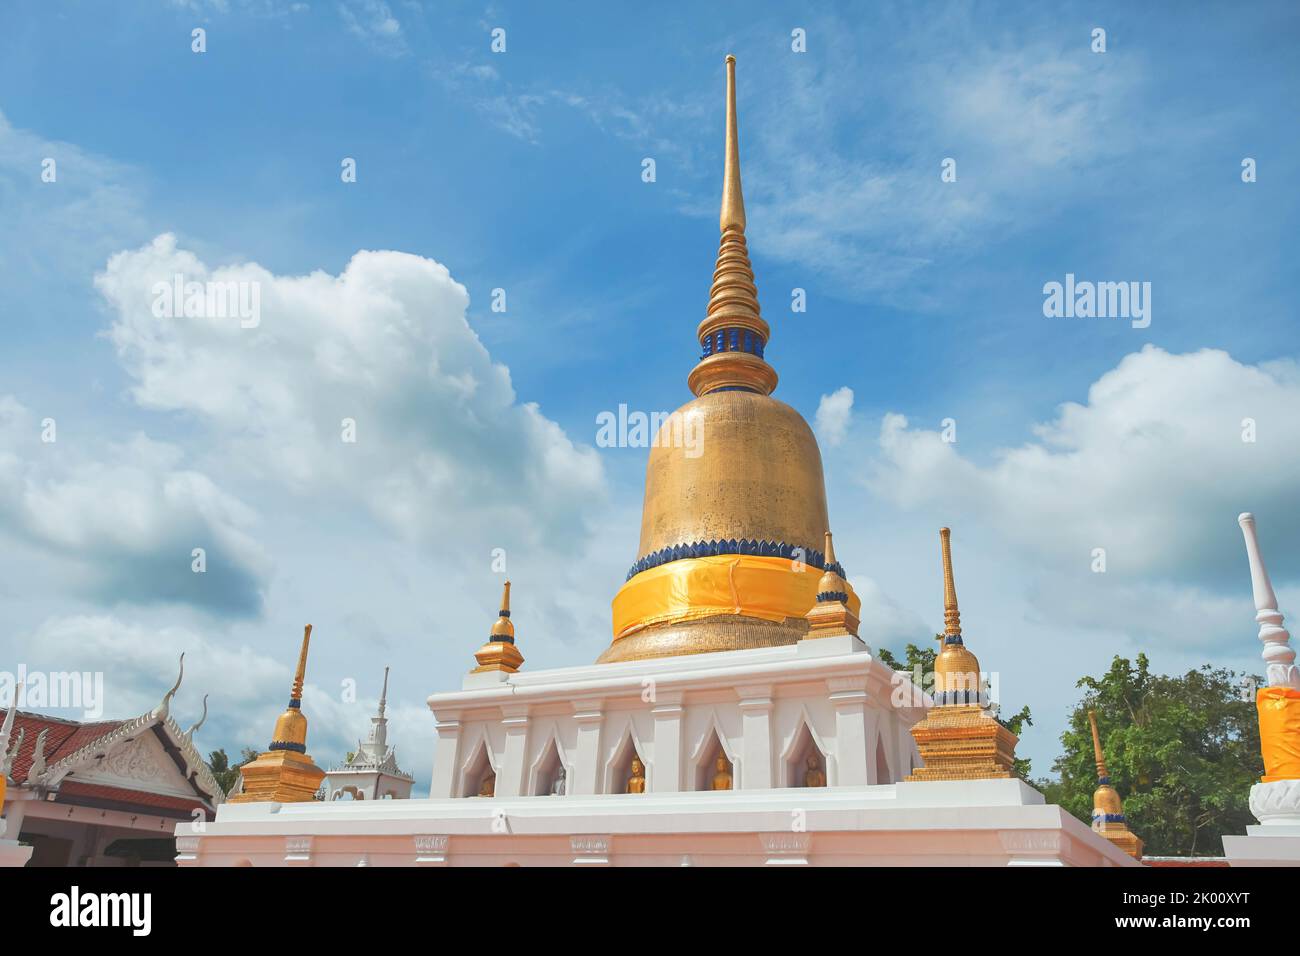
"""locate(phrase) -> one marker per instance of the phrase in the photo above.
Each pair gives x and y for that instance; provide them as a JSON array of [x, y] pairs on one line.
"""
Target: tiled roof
[[137, 798], [64, 737]]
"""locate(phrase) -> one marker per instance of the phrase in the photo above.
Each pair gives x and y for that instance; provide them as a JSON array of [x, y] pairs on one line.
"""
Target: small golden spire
[[285, 772], [1102, 773], [503, 629], [500, 653], [831, 615], [951, 616], [733, 334], [295, 692], [1107, 808]]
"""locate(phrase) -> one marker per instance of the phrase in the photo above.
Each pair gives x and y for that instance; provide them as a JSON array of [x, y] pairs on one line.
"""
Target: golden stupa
[[500, 653], [729, 555], [285, 772], [960, 738], [1107, 808]]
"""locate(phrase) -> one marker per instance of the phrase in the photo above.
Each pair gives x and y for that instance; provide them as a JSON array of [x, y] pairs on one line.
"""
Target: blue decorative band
[[949, 698], [294, 703], [765, 549], [826, 596], [1103, 781], [286, 745], [737, 388], [1108, 817], [503, 613], [732, 340], [953, 639], [500, 639]]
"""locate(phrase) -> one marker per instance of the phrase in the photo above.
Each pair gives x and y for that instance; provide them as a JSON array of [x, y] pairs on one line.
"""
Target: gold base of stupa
[[1124, 838], [722, 632], [963, 742], [279, 776]]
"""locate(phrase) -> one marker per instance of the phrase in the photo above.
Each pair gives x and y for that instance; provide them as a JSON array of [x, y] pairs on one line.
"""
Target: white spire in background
[[1278, 653]]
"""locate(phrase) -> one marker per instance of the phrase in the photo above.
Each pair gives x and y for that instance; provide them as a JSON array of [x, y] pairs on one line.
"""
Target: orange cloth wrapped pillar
[[1279, 732], [769, 588]]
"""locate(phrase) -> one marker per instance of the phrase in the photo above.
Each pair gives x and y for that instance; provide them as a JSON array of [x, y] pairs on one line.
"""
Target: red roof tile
[[96, 791], [64, 737]]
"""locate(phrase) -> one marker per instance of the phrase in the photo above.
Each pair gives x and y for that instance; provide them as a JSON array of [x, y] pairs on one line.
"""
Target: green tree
[[226, 775], [920, 660], [1182, 752]]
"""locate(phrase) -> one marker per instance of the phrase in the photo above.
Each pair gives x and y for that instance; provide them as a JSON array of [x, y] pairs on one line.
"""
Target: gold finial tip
[[731, 58], [945, 532], [1245, 518]]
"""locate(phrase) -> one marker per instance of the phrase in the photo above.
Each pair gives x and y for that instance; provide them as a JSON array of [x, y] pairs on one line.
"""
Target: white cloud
[[834, 412], [373, 22], [442, 444], [125, 518], [1152, 468]]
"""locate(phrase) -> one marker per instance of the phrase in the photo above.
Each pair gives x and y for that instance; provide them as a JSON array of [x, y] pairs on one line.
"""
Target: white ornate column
[[1278, 653], [756, 770], [1276, 803], [446, 755], [849, 698], [666, 775], [590, 718], [512, 776]]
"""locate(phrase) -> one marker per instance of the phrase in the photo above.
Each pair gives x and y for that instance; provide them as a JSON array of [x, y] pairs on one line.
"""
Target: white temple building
[[371, 771]]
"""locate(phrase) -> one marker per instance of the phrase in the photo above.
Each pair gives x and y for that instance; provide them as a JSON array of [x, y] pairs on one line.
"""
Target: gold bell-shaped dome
[[735, 502]]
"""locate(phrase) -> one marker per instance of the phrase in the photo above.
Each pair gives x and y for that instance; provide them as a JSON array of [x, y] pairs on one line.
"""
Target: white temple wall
[[521, 728]]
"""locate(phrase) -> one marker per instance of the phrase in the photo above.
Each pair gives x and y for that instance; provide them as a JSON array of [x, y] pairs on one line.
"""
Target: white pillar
[[756, 770], [512, 777], [589, 715], [666, 770], [849, 698], [446, 756]]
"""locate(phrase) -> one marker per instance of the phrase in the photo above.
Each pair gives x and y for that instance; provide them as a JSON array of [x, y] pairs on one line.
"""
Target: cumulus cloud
[[833, 414], [125, 517], [1152, 467], [384, 348], [139, 663]]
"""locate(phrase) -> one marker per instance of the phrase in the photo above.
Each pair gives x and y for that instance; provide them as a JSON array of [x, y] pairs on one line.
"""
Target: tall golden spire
[[1100, 758], [1107, 809], [951, 616], [733, 334], [285, 772], [960, 739], [500, 653]]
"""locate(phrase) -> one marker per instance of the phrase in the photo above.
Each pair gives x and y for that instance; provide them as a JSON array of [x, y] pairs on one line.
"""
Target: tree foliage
[[1182, 752], [226, 775]]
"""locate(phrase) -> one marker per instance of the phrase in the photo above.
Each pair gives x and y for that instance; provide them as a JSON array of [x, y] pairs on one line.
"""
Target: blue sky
[[522, 171]]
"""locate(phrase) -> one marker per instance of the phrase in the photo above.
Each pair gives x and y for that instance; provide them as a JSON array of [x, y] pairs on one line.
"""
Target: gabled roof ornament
[[189, 734], [164, 708]]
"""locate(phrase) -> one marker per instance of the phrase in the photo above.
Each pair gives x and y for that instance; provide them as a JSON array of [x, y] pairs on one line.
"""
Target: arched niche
[[477, 769], [705, 757], [618, 770], [545, 777], [803, 748]]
